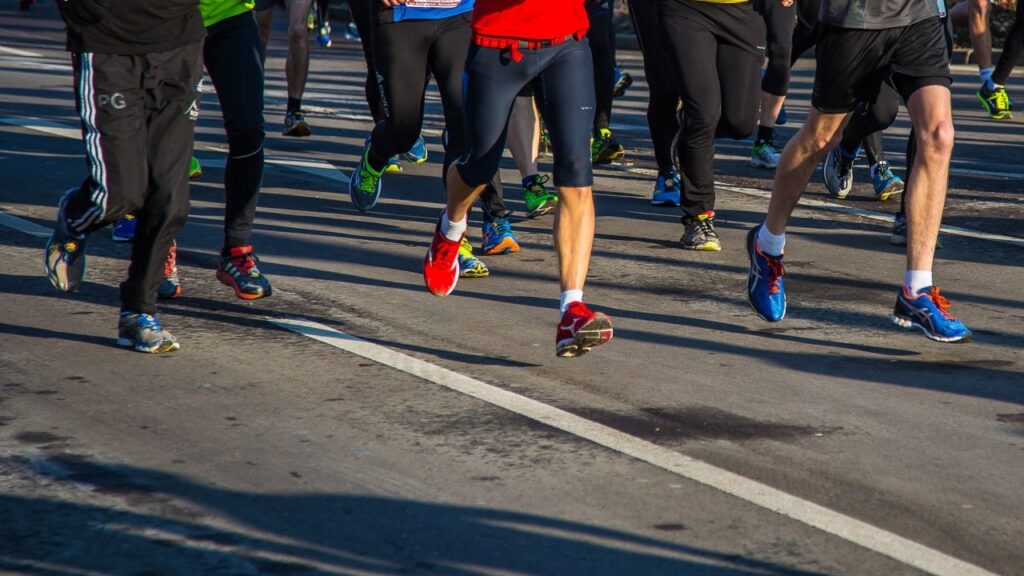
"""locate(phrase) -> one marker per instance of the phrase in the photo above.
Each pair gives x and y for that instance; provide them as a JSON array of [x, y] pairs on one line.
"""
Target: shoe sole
[[171, 296], [601, 160], [665, 203], [157, 349], [121, 239], [414, 159], [988, 110], [897, 240], [592, 334], [907, 323], [474, 274], [892, 190], [763, 164], [825, 171], [227, 280], [542, 210], [393, 169], [708, 247], [507, 246], [300, 131]]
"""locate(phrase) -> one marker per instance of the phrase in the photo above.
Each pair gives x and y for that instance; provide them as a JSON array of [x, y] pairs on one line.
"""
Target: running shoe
[[352, 32], [929, 311], [65, 252], [765, 155], [580, 330], [996, 103], [295, 124], [782, 118], [144, 333], [195, 170], [622, 82], [124, 229], [364, 185], [766, 292], [394, 165], [604, 148], [538, 199], [418, 153], [545, 141], [498, 238], [323, 35], [170, 286], [469, 265], [898, 237], [699, 233], [441, 264], [887, 184], [238, 270], [837, 171], [666, 189]]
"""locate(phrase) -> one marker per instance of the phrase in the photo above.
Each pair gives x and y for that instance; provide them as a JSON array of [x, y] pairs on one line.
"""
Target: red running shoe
[[580, 330], [441, 266]]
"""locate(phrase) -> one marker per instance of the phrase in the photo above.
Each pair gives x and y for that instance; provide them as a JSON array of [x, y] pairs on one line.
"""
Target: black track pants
[[1012, 48], [232, 57], [138, 117], [662, 118], [869, 120], [361, 16], [716, 63], [779, 22]]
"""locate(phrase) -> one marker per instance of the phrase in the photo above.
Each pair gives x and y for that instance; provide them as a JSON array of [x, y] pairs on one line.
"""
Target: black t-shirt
[[879, 14], [139, 27]]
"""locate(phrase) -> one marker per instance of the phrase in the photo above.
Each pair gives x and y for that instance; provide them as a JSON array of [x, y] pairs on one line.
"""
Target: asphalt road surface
[[354, 424]]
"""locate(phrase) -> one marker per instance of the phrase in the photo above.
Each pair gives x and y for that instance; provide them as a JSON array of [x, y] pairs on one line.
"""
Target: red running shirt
[[529, 19]]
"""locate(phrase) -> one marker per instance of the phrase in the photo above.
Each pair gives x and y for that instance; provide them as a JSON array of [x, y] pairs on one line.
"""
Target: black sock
[[765, 133], [294, 104]]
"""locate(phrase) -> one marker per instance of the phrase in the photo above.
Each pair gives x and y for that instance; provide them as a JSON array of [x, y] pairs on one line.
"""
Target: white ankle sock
[[568, 297], [770, 243], [454, 230], [915, 280]]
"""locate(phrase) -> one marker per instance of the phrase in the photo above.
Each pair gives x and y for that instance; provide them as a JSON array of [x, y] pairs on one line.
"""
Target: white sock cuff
[[454, 230], [568, 297], [770, 243], [915, 280]]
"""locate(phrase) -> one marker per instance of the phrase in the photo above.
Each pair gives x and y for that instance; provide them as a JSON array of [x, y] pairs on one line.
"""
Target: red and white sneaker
[[580, 330], [441, 266]]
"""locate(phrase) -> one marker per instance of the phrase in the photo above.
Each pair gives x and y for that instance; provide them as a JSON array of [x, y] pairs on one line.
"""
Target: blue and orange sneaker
[[498, 237], [765, 290], [170, 286], [238, 270], [929, 311]]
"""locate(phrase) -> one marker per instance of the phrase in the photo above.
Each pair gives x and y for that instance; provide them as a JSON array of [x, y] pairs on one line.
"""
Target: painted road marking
[[21, 225], [845, 527], [843, 209], [17, 52]]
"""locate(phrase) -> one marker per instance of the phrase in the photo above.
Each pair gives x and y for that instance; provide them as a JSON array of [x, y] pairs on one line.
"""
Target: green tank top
[[214, 11]]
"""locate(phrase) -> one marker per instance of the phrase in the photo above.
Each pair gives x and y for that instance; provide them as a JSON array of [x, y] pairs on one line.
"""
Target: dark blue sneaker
[[765, 290], [124, 229], [498, 238], [144, 333], [929, 311], [364, 184], [623, 81], [65, 252], [418, 153], [666, 190], [782, 118]]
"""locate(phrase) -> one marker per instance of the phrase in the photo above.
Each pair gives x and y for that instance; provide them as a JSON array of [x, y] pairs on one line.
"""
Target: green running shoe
[[539, 200], [194, 169], [604, 148]]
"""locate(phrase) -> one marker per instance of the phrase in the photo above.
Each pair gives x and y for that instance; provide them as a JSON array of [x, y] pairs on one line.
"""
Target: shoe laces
[[775, 272], [883, 171], [246, 262], [501, 226], [171, 262], [1002, 98], [941, 302], [705, 222], [770, 147], [537, 185]]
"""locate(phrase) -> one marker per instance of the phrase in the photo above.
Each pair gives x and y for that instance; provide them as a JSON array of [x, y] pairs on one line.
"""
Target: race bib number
[[433, 3]]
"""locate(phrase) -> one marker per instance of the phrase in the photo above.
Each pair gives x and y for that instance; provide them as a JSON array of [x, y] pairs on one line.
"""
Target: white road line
[[21, 225], [16, 52], [835, 523], [45, 126], [831, 207]]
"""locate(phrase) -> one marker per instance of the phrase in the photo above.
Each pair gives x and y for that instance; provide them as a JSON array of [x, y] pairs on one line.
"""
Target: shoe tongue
[[240, 251]]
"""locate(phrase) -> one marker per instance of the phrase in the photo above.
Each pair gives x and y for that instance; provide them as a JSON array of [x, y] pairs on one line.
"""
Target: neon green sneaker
[[604, 148], [469, 265], [364, 184], [996, 103], [194, 169], [539, 200]]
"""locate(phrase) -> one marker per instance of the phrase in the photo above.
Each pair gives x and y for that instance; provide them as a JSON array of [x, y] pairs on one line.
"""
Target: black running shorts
[[853, 63]]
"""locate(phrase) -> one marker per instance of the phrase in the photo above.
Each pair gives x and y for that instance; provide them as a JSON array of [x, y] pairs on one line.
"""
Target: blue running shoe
[[124, 229], [418, 153], [782, 118], [623, 81], [144, 333], [887, 184], [929, 311], [65, 252], [364, 185], [498, 238], [765, 290], [666, 190]]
